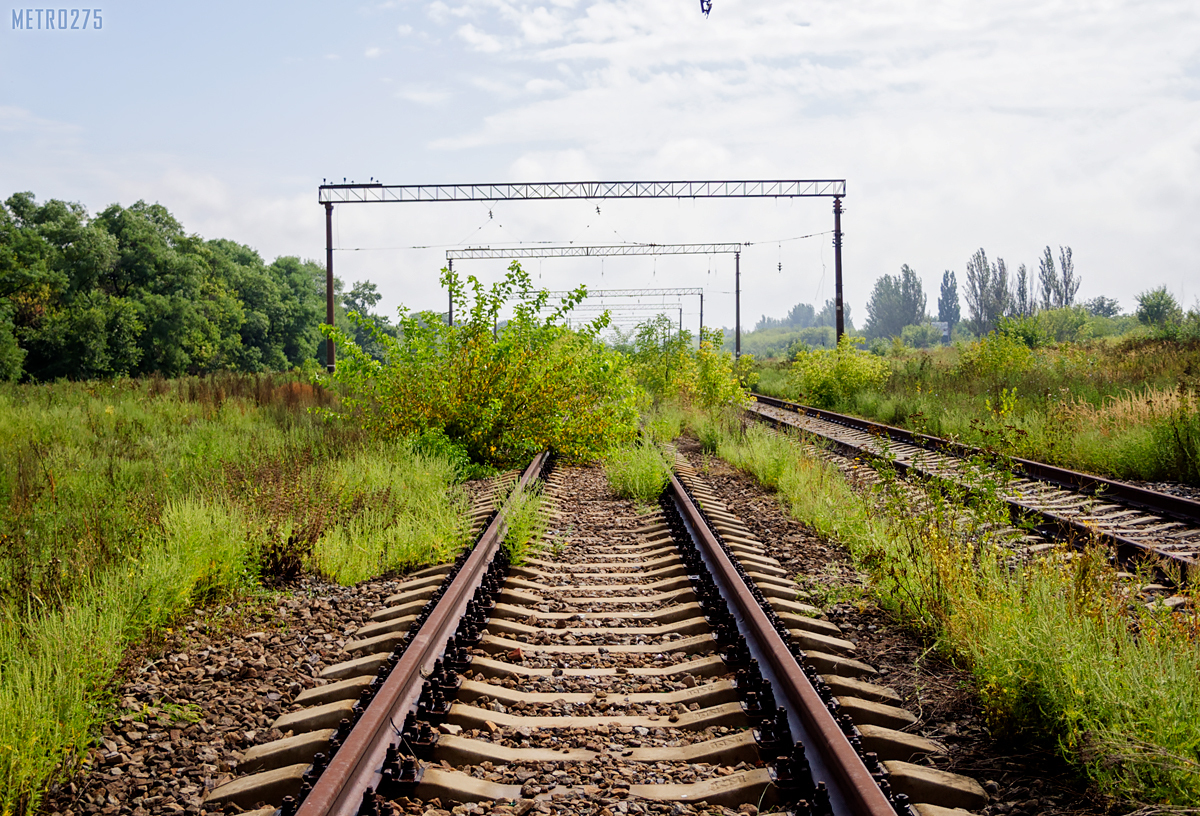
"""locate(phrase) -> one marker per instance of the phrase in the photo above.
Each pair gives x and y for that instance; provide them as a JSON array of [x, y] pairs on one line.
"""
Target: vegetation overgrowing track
[[655, 664], [1063, 503]]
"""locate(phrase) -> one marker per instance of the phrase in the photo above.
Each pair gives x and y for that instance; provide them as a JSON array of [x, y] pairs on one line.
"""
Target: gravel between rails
[[589, 522]]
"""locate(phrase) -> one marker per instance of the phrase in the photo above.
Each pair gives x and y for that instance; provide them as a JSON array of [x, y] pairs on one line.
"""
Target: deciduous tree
[[896, 301]]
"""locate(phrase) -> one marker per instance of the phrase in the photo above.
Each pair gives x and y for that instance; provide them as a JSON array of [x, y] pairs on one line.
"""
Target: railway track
[[1064, 504], [657, 663]]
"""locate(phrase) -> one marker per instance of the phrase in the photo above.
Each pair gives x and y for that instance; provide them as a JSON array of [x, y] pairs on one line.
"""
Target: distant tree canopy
[[803, 316], [1158, 307], [1102, 306], [129, 292], [993, 293], [948, 308], [896, 301]]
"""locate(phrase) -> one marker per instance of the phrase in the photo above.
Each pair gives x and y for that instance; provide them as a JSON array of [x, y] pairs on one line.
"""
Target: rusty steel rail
[[1168, 507], [852, 789], [358, 764]]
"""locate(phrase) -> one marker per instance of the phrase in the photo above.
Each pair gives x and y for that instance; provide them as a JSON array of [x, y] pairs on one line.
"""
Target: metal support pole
[[681, 320], [837, 266], [701, 338], [737, 305], [329, 360], [450, 292]]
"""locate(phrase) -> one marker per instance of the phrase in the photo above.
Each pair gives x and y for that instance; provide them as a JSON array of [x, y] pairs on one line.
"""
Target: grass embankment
[[124, 504], [1057, 653], [1126, 408]]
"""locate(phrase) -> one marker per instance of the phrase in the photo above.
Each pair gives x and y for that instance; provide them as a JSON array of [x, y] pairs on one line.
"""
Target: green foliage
[[948, 306], [12, 356], [921, 335], [998, 359], [130, 293], [895, 302], [800, 330], [639, 472], [534, 385], [125, 503], [824, 377], [1102, 306], [1158, 307], [668, 368]]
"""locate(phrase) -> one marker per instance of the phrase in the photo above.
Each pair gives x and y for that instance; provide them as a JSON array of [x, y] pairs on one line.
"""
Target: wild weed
[[640, 472]]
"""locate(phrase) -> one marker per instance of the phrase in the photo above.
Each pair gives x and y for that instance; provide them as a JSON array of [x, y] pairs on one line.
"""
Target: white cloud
[[404, 30], [540, 86], [479, 40], [424, 95], [372, 52]]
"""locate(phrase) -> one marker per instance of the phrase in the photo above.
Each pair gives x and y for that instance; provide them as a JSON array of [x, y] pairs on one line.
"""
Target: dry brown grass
[[1132, 407]]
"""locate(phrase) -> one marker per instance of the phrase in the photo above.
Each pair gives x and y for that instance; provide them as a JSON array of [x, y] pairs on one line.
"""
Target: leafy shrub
[[921, 335], [1071, 324], [826, 377], [502, 395], [667, 366], [997, 358], [1026, 329]]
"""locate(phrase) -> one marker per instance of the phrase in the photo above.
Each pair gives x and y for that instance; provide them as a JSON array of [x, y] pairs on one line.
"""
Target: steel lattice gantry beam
[[383, 193], [582, 251], [376, 192]]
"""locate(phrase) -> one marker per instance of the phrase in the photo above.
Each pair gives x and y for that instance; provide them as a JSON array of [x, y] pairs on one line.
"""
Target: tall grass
[[125, 503], [1123, 408], [1055, 647], [640, 472], [407, 517], [526, 517]]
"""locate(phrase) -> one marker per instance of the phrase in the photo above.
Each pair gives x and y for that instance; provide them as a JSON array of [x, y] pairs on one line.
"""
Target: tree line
[[129, 292], [992, 292]]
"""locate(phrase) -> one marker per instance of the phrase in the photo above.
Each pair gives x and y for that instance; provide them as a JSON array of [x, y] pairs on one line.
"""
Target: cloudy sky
[[1003, 124]]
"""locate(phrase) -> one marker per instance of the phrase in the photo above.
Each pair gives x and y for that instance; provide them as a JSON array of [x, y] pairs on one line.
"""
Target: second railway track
[[1064, 504], [653, 663]]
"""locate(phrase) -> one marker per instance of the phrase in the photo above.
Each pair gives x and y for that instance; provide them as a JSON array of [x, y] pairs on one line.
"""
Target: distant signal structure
[[607, 250]]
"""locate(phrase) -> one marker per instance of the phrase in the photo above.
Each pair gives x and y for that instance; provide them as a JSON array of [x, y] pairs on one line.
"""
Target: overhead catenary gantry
[[378, 193]]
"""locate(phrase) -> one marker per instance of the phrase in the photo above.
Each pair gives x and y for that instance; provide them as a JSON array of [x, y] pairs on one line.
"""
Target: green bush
[[503, 396], [921, 335], [998, 359], [824, 378]]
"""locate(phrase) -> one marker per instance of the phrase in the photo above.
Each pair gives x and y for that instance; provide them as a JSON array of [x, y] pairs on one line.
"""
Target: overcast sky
[[1003, 124]]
